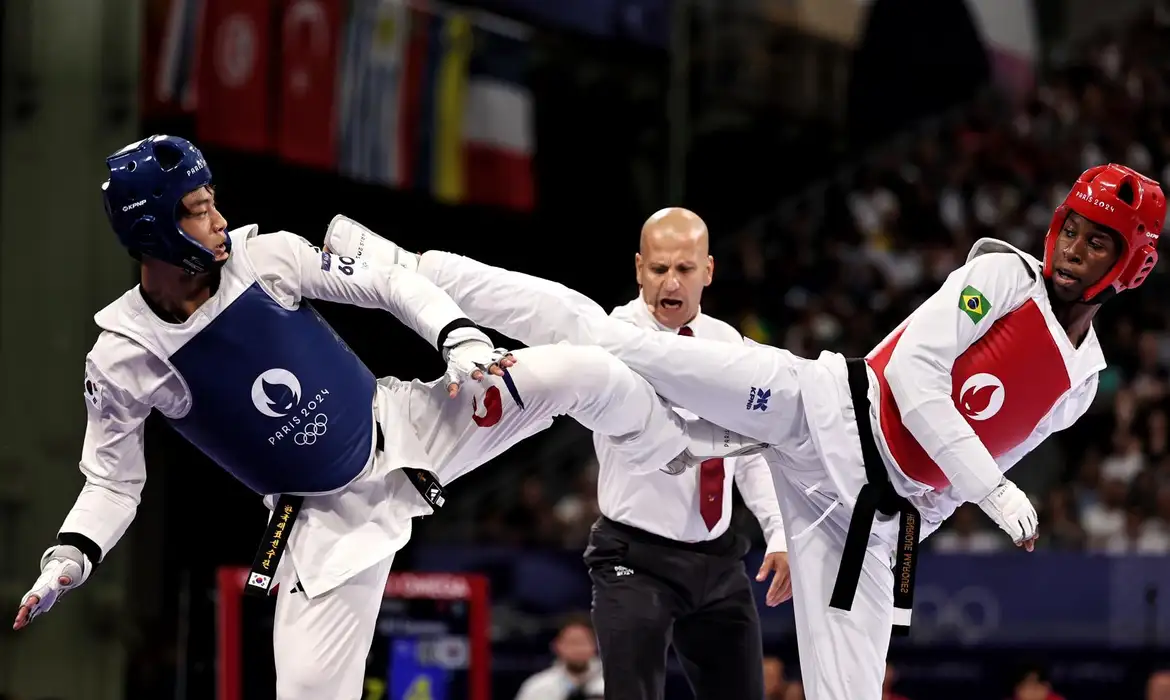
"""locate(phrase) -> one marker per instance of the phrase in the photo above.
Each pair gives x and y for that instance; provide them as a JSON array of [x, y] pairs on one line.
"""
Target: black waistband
[[284, 516], [877, 496], [719, 546]]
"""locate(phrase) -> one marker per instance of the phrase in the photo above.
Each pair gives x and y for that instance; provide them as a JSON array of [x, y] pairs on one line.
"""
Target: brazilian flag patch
[[974, 304]]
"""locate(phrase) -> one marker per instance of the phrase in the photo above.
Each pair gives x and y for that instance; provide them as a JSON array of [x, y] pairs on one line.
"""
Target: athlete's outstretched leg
[[583, 382], [750, 389]]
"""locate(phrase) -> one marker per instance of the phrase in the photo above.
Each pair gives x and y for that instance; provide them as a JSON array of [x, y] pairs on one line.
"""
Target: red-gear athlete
[[1001, 357]]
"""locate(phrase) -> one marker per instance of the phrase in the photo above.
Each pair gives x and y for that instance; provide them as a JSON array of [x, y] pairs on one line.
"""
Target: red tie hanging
[[711, 477]]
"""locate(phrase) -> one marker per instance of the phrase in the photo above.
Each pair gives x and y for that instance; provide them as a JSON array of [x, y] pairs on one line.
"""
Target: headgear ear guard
[[1125, 201], [148, 180]]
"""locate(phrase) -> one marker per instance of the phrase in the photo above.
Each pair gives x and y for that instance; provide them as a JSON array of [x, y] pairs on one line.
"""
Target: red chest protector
[[1004, 385]]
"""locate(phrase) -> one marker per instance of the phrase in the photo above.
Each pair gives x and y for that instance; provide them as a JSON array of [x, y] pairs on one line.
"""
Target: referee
[[665, 567]]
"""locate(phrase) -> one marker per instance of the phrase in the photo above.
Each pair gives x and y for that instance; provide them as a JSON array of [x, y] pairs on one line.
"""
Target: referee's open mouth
[[672, 311]]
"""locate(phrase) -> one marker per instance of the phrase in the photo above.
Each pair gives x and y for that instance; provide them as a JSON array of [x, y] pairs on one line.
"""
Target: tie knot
[[686, 330]]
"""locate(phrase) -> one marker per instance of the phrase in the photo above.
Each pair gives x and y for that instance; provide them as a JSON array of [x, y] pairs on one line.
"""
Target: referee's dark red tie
[[711, 476]]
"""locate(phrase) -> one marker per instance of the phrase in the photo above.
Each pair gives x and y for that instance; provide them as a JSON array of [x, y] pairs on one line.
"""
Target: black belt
[[878, 495], [284, 515]]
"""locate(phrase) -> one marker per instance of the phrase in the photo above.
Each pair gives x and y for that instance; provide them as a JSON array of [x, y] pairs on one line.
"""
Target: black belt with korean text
[[288, 507]]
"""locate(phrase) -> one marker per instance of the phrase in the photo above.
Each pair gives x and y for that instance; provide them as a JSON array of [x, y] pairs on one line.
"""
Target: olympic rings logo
[[969, 615], [313, 430]]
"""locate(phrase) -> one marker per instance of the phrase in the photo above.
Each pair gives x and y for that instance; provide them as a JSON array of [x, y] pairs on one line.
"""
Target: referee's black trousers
[[650, 592]]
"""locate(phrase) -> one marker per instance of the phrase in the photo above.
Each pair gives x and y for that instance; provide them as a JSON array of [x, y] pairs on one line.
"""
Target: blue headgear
[[148, 180]]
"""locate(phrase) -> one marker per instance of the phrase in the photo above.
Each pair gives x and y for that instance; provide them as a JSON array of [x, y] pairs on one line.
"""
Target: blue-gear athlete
[[218, 339]]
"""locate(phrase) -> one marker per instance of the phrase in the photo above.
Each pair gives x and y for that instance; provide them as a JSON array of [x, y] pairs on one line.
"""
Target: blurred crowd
[[850, 260], [1035, 683], [575, 674]]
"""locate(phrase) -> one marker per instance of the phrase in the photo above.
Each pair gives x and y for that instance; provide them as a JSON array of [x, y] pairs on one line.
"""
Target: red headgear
[[1125, 201]]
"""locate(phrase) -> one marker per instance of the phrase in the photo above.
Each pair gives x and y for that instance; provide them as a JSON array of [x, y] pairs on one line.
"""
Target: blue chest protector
[[277, 398]]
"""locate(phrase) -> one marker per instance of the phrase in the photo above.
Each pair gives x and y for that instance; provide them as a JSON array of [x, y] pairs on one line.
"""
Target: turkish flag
[[307, 129], [233, 94]]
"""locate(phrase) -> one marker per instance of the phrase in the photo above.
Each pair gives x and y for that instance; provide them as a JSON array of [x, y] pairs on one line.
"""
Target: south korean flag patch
[[93, 392]]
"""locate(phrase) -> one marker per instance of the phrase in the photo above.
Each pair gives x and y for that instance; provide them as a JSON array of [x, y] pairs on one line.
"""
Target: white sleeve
[[753, 476], [919, 370], [294, 267], [760, 494], [112, 461]]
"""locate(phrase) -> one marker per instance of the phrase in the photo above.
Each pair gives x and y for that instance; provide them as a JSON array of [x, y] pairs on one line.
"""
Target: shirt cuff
[[777, 542]]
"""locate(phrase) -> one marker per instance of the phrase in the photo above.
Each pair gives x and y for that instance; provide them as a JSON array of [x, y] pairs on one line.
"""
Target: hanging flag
[[498, 133], [448, 177], [306, 107], [433, 104], [168, 56], [372, 64], [413, 100], [233, 105]]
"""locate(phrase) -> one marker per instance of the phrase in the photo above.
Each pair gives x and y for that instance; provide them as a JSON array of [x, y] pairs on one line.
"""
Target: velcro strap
[[453, 325], [85, 545]]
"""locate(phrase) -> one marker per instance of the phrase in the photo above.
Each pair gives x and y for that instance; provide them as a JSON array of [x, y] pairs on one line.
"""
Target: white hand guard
[[57, 562], [467, 350], [1010, 508], [347, 237]]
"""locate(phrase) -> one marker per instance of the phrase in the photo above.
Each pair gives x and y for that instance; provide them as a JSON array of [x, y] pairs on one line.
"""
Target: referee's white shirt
[[667, 505]]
